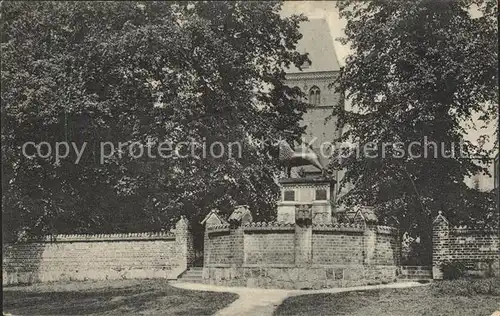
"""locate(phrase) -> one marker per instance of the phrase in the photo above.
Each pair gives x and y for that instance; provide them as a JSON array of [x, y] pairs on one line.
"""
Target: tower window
[[314, 96]]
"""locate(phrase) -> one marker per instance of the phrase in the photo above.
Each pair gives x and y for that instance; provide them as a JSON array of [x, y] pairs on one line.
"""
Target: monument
[[306, 199]]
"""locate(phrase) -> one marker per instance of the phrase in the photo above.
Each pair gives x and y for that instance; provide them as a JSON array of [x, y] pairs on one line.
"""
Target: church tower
[[305, 194], [314, 81]]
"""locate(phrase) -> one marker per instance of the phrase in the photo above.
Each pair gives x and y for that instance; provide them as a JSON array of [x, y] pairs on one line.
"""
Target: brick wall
[[224, 246], [337, 247], [113, 256], [277, 244], [479, 249], [415, 272], [269, 247], [388, 246], [278, 255]]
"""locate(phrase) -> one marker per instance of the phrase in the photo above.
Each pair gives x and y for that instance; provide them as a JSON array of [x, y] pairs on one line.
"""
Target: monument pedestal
[[313, 193]]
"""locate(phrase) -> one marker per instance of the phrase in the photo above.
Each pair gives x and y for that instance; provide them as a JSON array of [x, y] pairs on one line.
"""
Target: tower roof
[[317, 41]]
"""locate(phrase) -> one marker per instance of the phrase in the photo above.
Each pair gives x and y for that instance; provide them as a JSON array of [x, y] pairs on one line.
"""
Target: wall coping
[[386, 230], [218, 228], [338, 227], [279, 226], [464, 230], [223, 225], [440, 219], [269, 226], [106, 237]]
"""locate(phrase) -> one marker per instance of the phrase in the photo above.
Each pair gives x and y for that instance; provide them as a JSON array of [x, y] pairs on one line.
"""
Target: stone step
[[193, 273], [190, 278], [419, 280], [200, 281]]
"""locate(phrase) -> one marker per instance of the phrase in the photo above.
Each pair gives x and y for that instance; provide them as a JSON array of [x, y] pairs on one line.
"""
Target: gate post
[[440, 237], [184, 242]]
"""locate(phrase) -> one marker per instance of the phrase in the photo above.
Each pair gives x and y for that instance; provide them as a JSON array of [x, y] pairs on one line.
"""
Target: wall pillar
[[184, 244], [440, 237], [240, 216], [206, 248], [370, 243], [303, 245], [303, 235], [238, 246], [212, 219]]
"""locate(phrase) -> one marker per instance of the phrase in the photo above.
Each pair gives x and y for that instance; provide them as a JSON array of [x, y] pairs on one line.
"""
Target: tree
[[147, 72], [418, 69]]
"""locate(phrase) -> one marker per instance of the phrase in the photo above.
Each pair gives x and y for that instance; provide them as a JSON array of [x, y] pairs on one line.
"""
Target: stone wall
[[227, 247], [279, 255], [387, 247], [100, 257], [415, 272], [478, 249], [337, 246], [275, 247]]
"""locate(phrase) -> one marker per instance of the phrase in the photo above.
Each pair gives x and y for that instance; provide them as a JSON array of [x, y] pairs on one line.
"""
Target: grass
[[439, 298], [117, 297]]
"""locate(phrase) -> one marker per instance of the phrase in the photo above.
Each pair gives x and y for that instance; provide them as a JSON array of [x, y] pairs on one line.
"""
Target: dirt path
[[263, 302]]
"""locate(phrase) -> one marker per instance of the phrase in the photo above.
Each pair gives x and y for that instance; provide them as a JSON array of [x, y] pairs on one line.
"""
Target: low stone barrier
[[415, 272], [291, 277], [478, 249], [99, 257], [299, 256]]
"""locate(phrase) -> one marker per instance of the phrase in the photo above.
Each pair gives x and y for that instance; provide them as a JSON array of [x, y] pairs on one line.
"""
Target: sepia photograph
[[250, 158]]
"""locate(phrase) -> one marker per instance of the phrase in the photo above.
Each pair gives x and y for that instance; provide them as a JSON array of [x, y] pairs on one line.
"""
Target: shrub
[[455, 287], [453, 270], [468, 287], [490, 286]]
